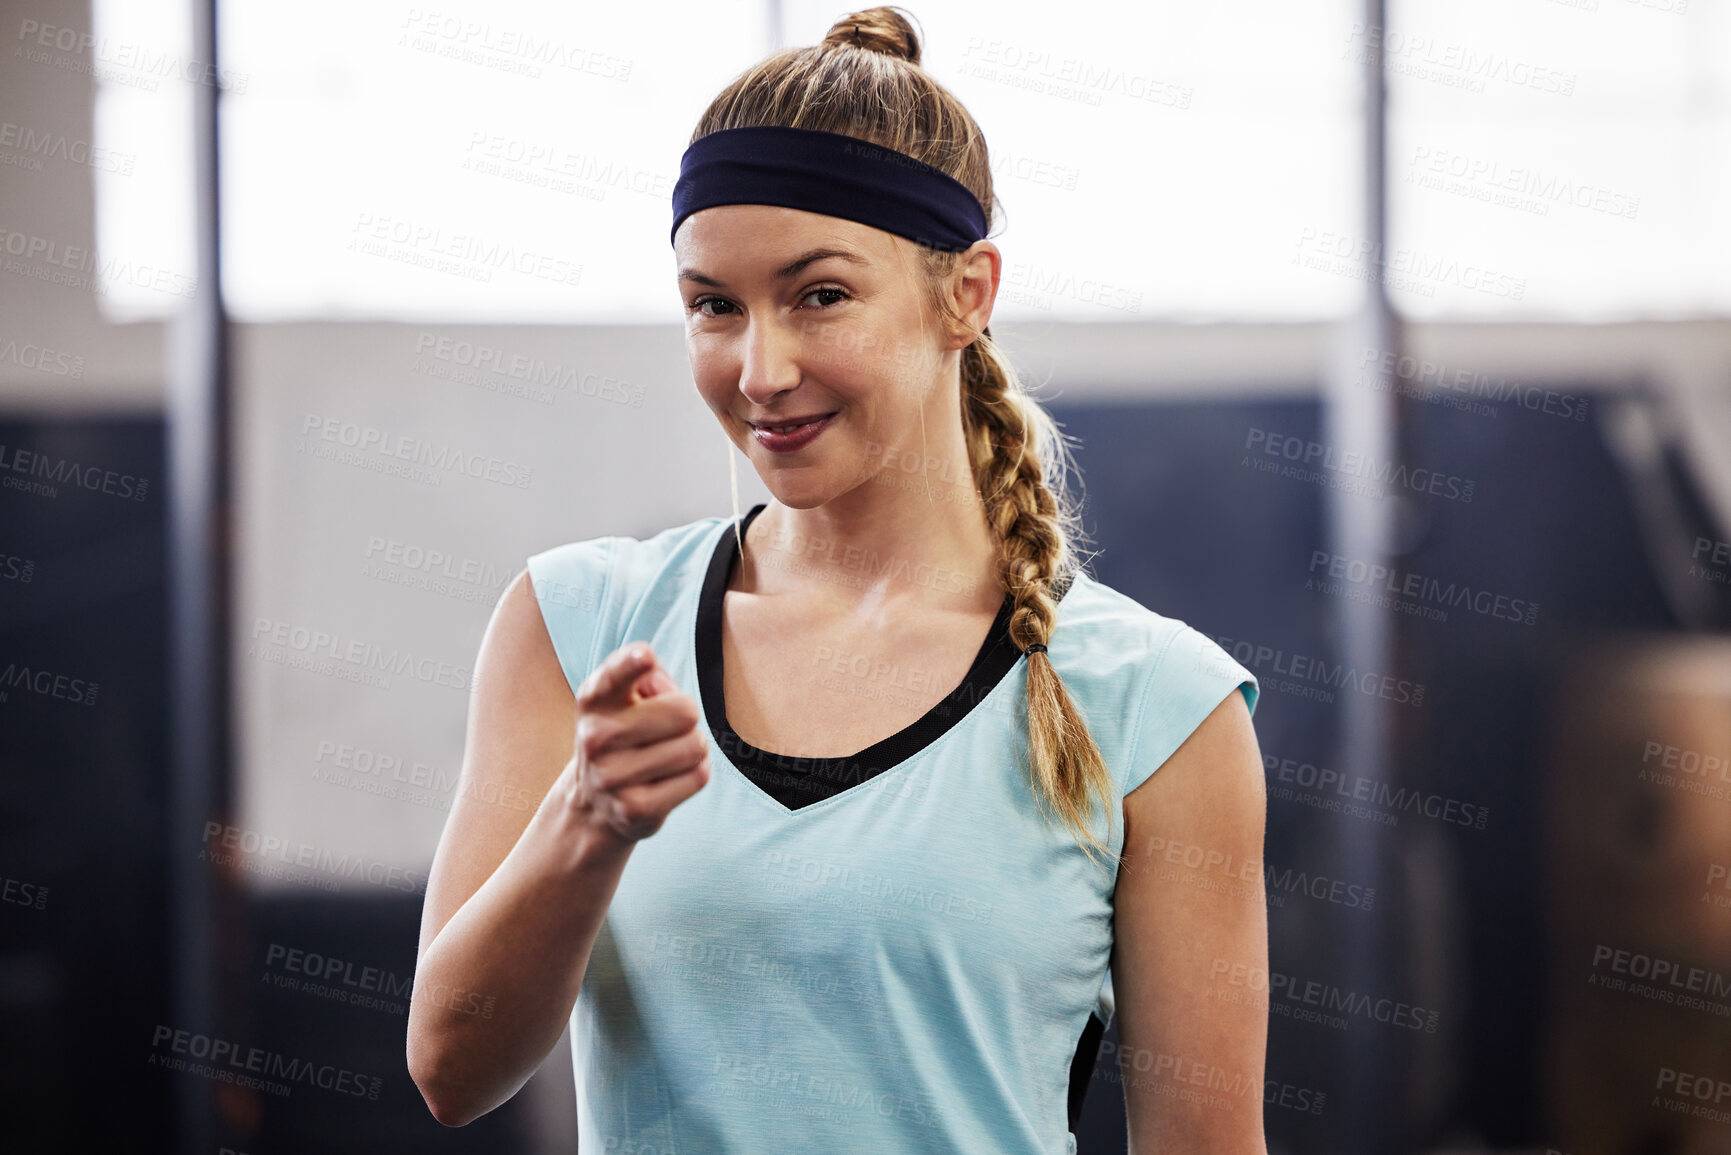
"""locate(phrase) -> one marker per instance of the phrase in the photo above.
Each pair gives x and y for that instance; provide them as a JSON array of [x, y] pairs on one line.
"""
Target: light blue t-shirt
[[905, 966]]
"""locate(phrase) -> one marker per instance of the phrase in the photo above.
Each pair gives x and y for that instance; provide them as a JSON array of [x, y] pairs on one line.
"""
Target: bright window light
[[141, 59], [513, 162], [1559, 158]]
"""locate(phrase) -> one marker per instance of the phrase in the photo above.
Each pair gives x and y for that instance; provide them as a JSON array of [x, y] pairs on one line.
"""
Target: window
[[514, 163]]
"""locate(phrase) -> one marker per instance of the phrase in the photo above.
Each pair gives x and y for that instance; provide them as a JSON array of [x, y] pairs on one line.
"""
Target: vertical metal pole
[[1360, 415], [198, 524]]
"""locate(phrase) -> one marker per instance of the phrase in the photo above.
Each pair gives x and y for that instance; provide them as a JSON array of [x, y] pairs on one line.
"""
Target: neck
[[885, 542]]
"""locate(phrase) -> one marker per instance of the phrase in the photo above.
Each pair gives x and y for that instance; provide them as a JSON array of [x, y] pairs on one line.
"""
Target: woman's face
[[793, 315]]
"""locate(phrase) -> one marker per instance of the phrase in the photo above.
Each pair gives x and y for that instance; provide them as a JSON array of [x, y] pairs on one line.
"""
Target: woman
[[832, 864]]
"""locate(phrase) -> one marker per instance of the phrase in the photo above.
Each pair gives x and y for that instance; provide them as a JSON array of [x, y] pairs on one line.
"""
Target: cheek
[[712, 373]]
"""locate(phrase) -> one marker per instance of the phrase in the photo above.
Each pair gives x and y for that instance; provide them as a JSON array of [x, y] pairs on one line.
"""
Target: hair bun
[[883, 30]]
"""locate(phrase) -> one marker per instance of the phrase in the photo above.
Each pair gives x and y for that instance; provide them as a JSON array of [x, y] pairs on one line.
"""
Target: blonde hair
[[864, 80]]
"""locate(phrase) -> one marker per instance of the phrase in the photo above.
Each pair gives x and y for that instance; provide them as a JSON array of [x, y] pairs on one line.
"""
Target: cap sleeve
[[574, 586], [1192, 676]]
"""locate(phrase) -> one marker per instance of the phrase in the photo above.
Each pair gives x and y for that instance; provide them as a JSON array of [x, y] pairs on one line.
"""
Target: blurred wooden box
[[1636, 877]]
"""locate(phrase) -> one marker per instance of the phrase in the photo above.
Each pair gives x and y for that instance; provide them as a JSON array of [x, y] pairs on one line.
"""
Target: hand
[[640, 751]]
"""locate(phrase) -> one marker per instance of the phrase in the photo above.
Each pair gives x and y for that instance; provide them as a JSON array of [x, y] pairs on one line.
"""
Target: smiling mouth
[[790, 426]]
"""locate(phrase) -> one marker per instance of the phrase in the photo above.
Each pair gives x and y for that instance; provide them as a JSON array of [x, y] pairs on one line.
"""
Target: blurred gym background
[[1394, 341]]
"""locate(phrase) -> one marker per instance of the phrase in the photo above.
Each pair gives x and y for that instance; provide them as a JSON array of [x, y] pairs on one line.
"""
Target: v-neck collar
[[793, 781]]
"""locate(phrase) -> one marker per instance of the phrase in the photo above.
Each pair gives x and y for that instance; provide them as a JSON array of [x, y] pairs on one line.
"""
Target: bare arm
[[1191, 1047], [517, 894]]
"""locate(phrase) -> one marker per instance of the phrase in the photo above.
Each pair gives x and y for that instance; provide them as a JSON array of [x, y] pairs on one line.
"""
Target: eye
[[841, 294], [697, 305], [832, 294]]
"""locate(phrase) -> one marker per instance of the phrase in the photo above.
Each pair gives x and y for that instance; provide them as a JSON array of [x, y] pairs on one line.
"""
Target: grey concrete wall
[[402, 562]]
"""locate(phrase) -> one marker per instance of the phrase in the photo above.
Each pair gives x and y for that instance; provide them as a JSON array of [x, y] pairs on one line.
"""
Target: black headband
[[832, 174]]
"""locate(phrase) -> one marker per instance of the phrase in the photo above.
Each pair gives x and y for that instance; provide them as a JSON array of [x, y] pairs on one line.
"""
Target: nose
[[770, 364]]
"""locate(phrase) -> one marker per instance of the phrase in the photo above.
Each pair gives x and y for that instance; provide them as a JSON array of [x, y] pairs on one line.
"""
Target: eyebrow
[[792, 268]]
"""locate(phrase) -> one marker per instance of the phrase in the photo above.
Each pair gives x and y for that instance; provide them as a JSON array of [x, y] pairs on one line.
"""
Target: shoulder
[[588, 590], [1092, 611], [1104, 635], [1148, 679], [585, 572]]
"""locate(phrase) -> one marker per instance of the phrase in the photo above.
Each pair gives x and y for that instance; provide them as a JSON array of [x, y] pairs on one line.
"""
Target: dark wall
[[1190, 531], [82, 784], [84, 946]]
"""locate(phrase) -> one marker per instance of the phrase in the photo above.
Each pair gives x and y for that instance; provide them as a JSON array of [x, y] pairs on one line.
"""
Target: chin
[[805, 486], [798, 496]]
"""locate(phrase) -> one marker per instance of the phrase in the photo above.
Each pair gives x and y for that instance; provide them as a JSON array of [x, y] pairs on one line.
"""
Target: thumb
[[654, 681]]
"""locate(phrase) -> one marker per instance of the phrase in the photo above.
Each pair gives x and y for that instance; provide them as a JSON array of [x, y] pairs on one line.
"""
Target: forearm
[[495, 987]]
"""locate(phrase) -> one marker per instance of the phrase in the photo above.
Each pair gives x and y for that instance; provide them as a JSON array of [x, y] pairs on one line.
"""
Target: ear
[[973, 288]]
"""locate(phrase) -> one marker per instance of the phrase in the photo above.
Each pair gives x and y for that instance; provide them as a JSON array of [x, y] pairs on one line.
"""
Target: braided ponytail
[[1020, 467]]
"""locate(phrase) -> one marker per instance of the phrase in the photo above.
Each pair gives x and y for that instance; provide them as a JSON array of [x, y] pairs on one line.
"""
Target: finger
[[662, 795], [655, 720], [609, 683], [652, 761], [637, 725]]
